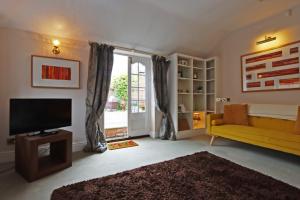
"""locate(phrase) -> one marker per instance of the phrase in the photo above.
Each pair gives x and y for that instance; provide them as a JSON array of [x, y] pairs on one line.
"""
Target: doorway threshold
[[109, 140]]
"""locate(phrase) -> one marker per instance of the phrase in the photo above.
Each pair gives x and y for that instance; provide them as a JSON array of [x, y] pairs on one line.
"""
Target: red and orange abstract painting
[[56, 72], [275, 69]]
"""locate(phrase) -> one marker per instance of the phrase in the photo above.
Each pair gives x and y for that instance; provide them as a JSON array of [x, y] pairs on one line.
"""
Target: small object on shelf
[[187, 91], [195, 76], [196, 117], [199, 89], [198, 120], [180, 74], [183, 62], [181, 108]]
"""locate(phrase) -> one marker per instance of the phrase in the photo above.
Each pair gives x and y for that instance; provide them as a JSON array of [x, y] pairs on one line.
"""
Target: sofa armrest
[[209, 118]]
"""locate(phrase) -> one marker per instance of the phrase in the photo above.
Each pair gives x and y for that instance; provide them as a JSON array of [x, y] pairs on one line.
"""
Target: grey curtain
[[99, 76], [160, 74]]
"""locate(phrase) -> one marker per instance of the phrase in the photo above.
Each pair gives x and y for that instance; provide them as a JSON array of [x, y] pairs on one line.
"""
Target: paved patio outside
[[115, 119], [115, 123]]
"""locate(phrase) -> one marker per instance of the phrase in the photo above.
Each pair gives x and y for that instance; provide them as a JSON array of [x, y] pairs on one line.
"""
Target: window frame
[[138, 88]]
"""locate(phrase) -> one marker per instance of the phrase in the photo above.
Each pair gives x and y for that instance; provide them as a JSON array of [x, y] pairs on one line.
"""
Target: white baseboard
[[9, 156], [188, 134], [182, 134], [154, 134], [78, 146]]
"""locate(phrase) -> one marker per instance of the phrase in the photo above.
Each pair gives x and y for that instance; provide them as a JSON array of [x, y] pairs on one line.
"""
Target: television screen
[[32, 115]]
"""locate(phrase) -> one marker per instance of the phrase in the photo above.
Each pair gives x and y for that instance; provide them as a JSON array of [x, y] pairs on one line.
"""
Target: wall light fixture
[[267, 39], [56, 49]]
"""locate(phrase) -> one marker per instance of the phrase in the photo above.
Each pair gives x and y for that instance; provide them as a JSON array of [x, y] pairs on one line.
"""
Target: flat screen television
[[39, 115]]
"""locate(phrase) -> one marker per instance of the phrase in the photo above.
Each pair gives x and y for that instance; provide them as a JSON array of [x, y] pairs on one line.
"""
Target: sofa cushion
[[297, 127], [269, 136], [236, 114], [272, 123]]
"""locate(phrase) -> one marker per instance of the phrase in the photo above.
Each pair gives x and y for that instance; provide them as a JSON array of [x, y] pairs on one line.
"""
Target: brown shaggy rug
[[198, 176]]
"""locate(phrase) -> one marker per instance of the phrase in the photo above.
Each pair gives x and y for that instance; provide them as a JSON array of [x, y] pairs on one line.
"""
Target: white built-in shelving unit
[[210, 93], [192, 91]]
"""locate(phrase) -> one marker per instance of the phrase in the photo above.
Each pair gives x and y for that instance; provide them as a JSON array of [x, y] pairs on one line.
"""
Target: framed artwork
[[52, 72], [272, 70]]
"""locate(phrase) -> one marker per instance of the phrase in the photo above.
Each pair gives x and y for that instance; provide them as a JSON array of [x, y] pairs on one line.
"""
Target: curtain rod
[[135, 50]]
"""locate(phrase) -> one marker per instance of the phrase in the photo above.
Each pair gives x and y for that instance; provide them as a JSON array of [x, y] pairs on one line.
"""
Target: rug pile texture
[[194, 177]]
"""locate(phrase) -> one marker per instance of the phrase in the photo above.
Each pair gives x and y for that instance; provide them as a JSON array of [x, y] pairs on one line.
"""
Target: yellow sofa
[[262, 131]]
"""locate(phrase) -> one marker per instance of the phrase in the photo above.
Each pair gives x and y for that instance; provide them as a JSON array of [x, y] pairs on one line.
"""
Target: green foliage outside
[[120, 88]]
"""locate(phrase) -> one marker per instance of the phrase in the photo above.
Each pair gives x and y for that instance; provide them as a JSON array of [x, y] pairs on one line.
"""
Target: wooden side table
[[31, 166]]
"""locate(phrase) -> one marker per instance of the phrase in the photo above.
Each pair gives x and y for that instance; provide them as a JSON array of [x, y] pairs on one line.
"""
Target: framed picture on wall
[[272, 70], [49, 72]]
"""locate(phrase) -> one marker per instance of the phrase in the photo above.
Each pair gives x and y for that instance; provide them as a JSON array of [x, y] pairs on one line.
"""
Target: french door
[[139, 96], [127, 111]]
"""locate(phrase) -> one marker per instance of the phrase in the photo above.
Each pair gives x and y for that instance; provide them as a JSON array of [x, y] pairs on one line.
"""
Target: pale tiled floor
[[279, 165]]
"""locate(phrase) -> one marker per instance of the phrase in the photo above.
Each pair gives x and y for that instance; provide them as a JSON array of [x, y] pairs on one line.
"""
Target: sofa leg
[[212, 140]]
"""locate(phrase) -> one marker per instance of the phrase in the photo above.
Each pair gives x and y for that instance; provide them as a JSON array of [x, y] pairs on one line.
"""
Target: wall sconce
[[56, 49], [267, 39]]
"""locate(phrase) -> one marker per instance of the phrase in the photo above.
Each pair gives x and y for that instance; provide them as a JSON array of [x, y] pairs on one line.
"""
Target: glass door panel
[[138, 117], [116, 110]]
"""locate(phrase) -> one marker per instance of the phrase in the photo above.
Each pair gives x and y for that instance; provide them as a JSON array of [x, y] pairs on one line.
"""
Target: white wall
[[15, 81], [286, 29], [15, 77]]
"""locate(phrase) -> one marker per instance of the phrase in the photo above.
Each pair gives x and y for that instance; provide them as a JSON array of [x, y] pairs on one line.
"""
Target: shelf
[[184, 93], [186, 66], [199, 68], [210, 111], [47, 162], [210, 68], [210, 63], [198, 63], [184, 78], [192, 84], [198, 80]]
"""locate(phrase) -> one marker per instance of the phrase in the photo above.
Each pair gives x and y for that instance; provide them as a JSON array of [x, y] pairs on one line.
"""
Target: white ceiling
[[165, 26]]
